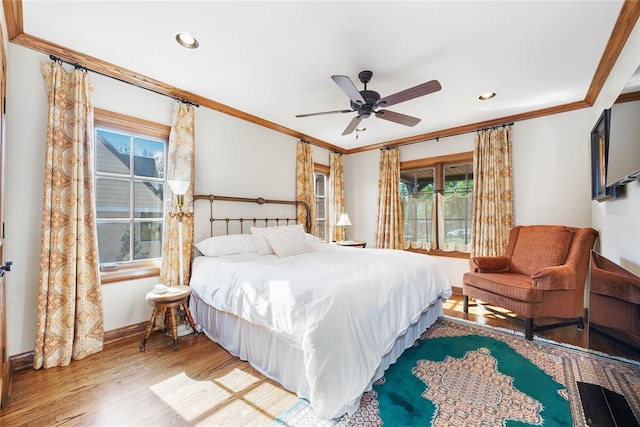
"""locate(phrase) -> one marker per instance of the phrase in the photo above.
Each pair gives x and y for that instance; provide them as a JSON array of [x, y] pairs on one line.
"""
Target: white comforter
[[343, 307]]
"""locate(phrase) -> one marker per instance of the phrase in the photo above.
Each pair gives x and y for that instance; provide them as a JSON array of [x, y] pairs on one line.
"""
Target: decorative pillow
[[287, 241], [227, 245], [311, 239], [262, 245]]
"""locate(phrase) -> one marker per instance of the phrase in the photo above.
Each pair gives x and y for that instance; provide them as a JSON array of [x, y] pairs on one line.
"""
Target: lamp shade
[[343, 220], [177, 186]]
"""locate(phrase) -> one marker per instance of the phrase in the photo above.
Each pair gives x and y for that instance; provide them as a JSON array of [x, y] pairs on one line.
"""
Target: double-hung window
[[321, 183], [129, 194], [437, 203]]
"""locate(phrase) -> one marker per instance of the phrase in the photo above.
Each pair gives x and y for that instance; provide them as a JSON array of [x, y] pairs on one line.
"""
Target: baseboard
[[24, 360], [126, 332]]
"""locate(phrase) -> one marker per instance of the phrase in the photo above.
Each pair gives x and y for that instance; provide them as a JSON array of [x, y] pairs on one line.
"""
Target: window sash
[[321, 199], [129, 228], [437, 203]]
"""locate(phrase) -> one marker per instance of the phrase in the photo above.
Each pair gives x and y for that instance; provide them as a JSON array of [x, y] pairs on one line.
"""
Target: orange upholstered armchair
[[542, 274], [614, 300]]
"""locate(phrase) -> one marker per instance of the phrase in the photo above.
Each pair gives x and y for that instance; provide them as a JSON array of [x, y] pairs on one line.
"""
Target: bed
[[323, 320]]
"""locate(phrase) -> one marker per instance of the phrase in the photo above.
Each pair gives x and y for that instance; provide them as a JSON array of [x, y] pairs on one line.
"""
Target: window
[[129, 192], [321, 181], [437, 203]]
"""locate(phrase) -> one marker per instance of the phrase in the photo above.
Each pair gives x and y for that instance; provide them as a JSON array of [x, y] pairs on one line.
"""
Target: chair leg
[[581, 323], [528, 328], [465, 304]]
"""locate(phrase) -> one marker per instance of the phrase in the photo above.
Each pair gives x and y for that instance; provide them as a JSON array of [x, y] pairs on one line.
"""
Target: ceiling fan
[[367, 102]]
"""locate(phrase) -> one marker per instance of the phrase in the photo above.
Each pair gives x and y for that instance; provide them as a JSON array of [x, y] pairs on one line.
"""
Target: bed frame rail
[[253, 221]]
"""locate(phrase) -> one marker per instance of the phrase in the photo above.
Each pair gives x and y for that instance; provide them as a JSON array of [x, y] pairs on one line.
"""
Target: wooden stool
[[165, 304]]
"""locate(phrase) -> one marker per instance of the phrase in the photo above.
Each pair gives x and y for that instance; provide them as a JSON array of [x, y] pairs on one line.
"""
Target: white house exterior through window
[[130, 174]]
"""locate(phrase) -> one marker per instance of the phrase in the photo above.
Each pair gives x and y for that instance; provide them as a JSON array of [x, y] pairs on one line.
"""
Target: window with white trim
[[129, 194], [321, 198], [437, 203]]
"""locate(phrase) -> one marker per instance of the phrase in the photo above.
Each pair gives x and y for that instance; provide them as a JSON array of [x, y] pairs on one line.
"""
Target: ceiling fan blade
[[352, 125], [324, 112], [349, 88], [407, 94], [392, 116]]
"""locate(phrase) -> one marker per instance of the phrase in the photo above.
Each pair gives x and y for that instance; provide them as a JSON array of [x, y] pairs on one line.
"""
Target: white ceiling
[[275, 59]]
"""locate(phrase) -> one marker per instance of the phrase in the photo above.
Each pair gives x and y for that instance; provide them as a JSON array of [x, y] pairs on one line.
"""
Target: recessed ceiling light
[[486, 96], [187, 40]]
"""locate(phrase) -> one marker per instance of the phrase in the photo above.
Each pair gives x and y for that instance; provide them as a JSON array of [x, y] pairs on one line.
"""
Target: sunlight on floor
[[237, 380], [189, 398], [271, 399], [234, 398], [479, 313], [259, 406], [236, 412]]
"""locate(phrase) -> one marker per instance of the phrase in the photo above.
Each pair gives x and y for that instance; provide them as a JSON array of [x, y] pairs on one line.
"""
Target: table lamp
[[343, 221]]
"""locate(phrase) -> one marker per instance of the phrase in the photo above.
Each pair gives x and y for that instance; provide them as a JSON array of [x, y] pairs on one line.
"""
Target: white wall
[[233, 158]]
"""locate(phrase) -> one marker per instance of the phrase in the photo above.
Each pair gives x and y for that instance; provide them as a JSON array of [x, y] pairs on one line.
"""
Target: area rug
[[462, 374]]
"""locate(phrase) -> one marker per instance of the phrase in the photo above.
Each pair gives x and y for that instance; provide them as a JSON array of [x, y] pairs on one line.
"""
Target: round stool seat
[[166, 304]]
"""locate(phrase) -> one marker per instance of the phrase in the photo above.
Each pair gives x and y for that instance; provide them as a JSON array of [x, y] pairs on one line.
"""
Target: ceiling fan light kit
[[367, 102]]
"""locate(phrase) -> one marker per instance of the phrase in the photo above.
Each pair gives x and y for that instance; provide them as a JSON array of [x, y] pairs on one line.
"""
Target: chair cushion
[[509, 285], [538, 247]]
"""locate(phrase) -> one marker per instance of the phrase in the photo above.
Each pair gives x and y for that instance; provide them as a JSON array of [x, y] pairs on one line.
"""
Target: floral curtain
[[493, 191], [180, 166], [70, 322], [336, 195], [304, 184], [389, 233]]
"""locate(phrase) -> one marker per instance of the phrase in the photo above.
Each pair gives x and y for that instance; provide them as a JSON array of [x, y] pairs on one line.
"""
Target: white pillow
[[262, 245], [311, 239], [287, 242], [227, 245]]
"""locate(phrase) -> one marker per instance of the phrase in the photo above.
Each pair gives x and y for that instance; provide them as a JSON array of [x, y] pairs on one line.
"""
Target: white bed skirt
[[278, 359]]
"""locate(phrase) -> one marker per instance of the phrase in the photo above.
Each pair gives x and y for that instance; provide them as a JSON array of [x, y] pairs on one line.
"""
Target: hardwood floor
[[123, 387], [608, 342]]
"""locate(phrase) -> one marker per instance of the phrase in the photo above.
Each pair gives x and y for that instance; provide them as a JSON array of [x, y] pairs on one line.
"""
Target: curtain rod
[[437, 139], [496, 127], [82, 67]]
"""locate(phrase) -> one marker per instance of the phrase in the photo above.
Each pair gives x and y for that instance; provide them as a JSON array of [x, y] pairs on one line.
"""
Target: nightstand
[[352, 243], [165, 304]]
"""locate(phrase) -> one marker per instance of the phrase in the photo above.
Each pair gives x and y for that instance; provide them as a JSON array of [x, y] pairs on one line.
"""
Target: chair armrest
[[621, 286], [555, 278], [489, 264]]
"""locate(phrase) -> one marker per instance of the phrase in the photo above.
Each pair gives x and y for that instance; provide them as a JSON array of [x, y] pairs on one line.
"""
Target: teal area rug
[[461, 374]]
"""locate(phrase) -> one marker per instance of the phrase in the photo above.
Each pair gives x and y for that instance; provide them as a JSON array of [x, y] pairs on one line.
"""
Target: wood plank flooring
[[200, 384]]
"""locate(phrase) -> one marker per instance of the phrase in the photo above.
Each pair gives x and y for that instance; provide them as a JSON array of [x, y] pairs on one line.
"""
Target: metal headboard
[[253, 221]]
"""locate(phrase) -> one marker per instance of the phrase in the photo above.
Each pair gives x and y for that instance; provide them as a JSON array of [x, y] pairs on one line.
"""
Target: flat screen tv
[[623, 160]]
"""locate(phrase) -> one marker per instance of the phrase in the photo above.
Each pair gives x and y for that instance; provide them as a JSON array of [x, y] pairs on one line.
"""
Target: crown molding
[[629, 14]]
